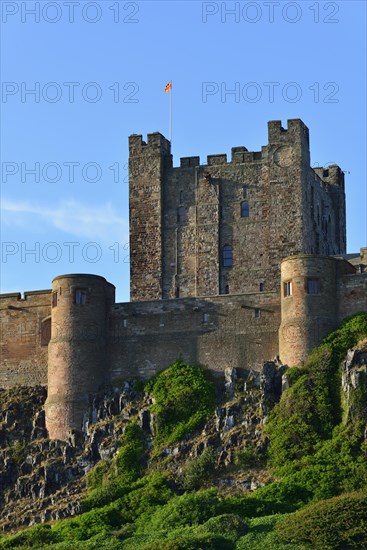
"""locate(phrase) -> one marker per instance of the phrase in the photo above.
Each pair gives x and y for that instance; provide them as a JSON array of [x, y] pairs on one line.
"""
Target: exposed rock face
[[42, 480], [354, 383]]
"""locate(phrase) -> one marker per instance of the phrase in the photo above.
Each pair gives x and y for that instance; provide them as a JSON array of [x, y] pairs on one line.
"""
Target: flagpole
[[170, 116]]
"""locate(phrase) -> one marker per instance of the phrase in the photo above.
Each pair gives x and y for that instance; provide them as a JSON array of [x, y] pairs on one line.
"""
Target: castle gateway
[[233, 262]]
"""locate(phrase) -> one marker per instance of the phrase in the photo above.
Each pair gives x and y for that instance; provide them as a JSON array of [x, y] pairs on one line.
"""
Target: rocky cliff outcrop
[[44, 480]]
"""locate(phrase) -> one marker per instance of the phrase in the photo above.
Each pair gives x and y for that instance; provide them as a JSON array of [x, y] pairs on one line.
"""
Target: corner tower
[[309, 308], [77, 351]]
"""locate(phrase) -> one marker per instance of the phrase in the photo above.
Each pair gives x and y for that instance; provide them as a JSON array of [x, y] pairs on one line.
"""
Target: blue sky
[[97, 71]]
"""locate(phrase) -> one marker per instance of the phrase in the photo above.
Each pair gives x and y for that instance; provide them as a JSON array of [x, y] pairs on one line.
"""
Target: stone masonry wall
[[25, 332], [183, 217], [238, 331]]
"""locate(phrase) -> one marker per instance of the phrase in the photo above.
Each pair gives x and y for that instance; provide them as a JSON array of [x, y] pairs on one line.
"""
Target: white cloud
[[94, 222]]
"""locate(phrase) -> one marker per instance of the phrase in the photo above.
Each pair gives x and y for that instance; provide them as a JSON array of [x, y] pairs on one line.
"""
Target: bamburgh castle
[[233, 263]]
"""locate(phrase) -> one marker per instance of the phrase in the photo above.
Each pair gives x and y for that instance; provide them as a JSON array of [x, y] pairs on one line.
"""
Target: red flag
[[168, 86]]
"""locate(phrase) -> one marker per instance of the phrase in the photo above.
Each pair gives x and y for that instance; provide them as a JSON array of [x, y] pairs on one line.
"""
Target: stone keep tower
[[77, 351], [225, 226]]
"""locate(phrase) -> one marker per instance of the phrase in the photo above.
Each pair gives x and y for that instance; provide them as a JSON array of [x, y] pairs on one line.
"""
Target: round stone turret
[[308, 305], [77, 351]]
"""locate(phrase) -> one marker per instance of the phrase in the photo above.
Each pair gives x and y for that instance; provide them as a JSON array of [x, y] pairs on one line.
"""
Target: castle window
[[245, 209], [325, 173], [257, 313], [124, 323], [181, 197], [261, 287], [227, 256], [54, 299], [287, 289], [45, 331], [177, 293], [81, 296], [312, 286], [205, 317], [226, 290], [244, 192], [181, 214]]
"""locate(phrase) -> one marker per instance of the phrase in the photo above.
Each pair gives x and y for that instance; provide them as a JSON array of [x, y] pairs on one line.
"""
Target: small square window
[[312, 286], [287, 288], [81, 296]]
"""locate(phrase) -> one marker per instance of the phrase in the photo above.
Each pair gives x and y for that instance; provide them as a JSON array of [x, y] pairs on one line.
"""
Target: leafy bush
[[247, 457], [189, 509], [96, 474], [262, 536], [184, 398], [336, 523], [230, 526], [108, 484], [127, 463], [202, 542], [34, 537], [199, 469]]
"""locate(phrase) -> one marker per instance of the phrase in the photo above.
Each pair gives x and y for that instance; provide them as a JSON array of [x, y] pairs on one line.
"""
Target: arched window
[[227, 256], [245, 209]]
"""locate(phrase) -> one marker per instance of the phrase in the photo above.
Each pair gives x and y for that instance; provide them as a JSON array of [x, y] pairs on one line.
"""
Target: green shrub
[[184, 398], [108, 484], [262, 536], [247, 458], [96, 474], [336, 523], [189, 509], [230, 526], [199, 542], [34, 537], [198, 470], [128, 463]]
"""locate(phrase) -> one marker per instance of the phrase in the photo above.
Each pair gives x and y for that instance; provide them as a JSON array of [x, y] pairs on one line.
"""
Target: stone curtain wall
[[25, 327], [238, 331]]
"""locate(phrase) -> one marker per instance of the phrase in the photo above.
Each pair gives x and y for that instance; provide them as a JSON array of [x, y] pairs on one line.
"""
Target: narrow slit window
[[312, 286], [205, 317], [54, 299], [261, 287], [257, 313], [181, 214], [181, 197], [227, 257], [245, 209], [226, 290], [81, 296], [244, 192], [177, 293], [287, 288]]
